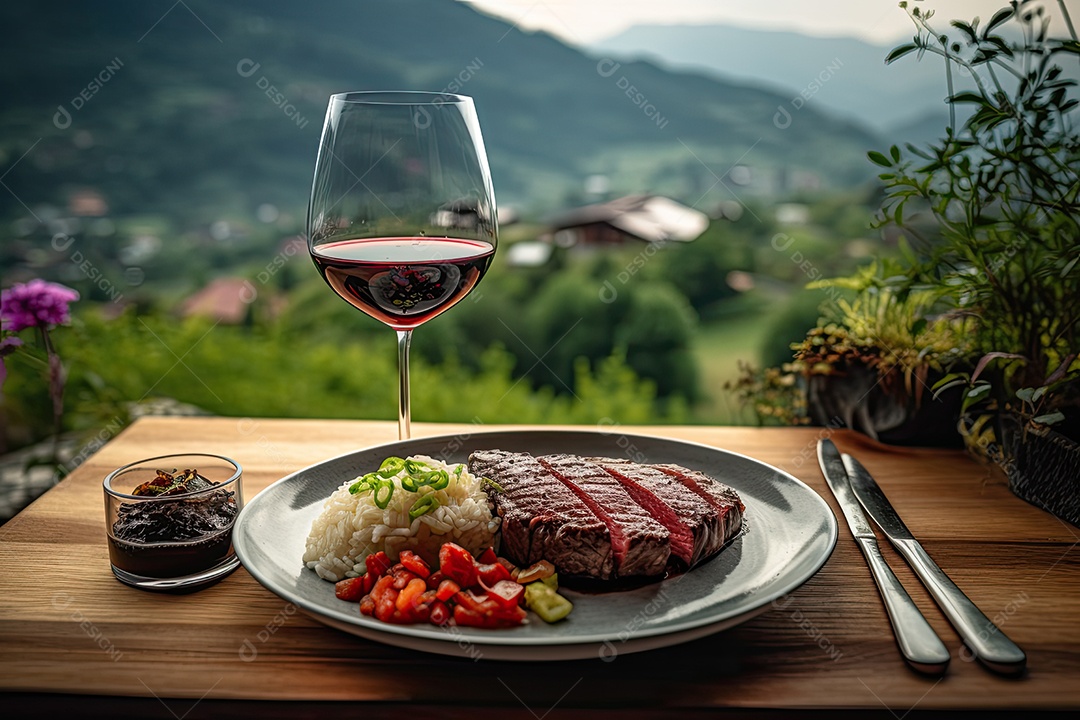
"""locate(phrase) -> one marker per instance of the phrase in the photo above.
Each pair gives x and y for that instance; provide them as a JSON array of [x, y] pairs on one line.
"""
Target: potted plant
[[1003, 193], [869, 363]]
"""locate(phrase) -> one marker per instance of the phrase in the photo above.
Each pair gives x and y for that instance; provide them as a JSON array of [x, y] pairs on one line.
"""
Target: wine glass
[[402, 220]]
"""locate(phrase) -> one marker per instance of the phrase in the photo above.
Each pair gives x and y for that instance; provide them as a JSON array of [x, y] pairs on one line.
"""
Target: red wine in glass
[[403, 281], [402, 221]]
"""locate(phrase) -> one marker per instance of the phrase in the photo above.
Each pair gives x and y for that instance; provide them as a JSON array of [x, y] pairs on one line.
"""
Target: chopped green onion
[[436, 479], [388, 486], [363, 484], [423, 506], [391, 466], [494, 485], [409, 483], [415, 467], [458, 469]]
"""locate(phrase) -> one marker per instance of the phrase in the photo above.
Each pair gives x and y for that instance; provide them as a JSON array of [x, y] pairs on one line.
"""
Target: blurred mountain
[[844, 76], [195, 109]]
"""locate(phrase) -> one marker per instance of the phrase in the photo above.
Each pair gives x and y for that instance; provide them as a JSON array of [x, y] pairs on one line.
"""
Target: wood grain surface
[[67, 627]]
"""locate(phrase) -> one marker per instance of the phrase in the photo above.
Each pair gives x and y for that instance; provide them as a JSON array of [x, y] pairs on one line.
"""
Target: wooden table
[[72, 637]]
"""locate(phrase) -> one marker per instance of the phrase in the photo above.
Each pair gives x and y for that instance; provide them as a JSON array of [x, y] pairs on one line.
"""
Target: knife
[[918, 642], [988, 643]]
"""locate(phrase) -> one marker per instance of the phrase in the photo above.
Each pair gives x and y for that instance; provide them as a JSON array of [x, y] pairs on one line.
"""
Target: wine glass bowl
[[402, 220]]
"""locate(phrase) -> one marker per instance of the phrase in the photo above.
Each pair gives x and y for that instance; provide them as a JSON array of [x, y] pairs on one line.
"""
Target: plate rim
[[414, 634]]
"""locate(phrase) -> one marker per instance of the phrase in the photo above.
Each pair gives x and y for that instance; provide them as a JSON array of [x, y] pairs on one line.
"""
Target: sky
[[581, 22]]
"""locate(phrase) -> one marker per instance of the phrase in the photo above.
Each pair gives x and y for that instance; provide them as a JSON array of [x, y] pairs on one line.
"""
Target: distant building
[[87, 203], [648, 218], [225, 300]]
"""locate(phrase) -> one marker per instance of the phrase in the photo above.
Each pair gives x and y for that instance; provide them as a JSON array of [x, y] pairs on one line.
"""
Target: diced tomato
[[507, 593], [367, 606], [409, 598], [350, 589], [440, 613], [447, 589], [456, 563], [492, 573], [464, 616], [385, 597], [414, 563], [470, 600], [435, 579], [510, 567], [468, 618], [402, 577], [378, 563], [487, 557], [369, 582]]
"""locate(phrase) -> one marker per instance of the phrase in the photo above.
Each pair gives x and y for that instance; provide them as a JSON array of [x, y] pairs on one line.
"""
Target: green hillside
[[199, 110]]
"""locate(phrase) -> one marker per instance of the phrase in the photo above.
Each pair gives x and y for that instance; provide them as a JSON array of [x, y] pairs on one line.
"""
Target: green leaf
[[967, 96], [1069, 266], [1026, 394], [939, 390], [948, 379], [978, 392], [895, 153], [999, 17], [878, 159], [1039, 392], [900, 51], [965, 28], [1049, 418]]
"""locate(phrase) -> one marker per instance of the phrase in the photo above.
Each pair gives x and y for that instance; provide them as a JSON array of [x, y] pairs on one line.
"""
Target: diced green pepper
[[545, 602], [552, 581]]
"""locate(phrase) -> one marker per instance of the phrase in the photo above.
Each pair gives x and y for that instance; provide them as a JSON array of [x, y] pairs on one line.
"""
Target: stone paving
[[27, 473]]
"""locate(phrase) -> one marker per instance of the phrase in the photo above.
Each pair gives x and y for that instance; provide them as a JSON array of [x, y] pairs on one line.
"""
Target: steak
[[694, 524], [605, 519], [722, 497], [542, 518], [640, 544]]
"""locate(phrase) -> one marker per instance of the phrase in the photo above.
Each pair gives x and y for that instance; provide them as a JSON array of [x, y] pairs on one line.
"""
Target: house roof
[[223, 300], [652, 218]]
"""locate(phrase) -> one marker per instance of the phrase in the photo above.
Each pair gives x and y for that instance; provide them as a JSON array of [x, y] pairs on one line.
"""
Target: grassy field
[[721, 343]]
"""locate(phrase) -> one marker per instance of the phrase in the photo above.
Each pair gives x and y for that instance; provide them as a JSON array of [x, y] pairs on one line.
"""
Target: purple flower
[[35, 304]]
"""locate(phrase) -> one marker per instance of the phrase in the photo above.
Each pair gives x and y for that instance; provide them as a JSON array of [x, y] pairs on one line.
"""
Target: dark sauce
[[173, 538]]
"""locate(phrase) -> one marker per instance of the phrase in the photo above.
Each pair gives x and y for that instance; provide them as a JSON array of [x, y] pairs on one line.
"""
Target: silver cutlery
[[918, 642], [985, 640]]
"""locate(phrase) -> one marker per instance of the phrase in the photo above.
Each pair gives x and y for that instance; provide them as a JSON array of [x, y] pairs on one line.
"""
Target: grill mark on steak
[[699, 516], [542, 519], [723, 498], [640, 544], [682, 537]]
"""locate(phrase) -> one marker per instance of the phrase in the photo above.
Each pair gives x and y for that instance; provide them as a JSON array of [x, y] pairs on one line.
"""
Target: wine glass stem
[[404, 339]]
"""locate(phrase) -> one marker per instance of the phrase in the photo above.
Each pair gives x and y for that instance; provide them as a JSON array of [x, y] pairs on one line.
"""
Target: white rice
[[351, 527]]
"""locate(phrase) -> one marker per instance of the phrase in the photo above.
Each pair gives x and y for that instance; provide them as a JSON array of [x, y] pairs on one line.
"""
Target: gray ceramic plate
[[789, 534]]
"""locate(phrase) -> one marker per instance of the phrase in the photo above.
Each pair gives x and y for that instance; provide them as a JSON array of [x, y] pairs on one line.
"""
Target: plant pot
[[1043, 468], [857, 398]]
